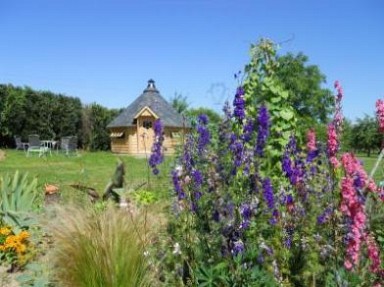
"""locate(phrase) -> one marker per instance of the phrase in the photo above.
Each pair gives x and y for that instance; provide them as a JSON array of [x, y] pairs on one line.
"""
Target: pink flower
[[352, 207], [380, 114], [332, 143], [373, 255], [338, 117], [354, 168], [311, 140], [336, 84], [334, 161], [348, 265]]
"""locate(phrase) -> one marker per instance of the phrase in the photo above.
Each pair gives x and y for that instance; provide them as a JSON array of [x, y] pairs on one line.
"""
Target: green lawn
[[369, 162], [93, 169]]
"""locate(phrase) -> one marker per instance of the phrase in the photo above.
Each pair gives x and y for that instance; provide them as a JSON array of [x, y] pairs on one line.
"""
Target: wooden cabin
[[132, 131]]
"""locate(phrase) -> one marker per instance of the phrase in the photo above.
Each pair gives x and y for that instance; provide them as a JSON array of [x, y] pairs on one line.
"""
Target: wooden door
[[145, 134]]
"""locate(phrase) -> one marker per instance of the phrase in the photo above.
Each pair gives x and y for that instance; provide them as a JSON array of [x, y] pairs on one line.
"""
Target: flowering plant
[[13, 247], [259, 207]]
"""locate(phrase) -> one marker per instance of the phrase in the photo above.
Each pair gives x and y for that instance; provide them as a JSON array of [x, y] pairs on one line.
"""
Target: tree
[[179, 103], [312, 102], [365, 135], [95, 119]]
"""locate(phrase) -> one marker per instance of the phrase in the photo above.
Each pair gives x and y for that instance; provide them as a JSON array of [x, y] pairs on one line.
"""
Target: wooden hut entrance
[[145, 133]]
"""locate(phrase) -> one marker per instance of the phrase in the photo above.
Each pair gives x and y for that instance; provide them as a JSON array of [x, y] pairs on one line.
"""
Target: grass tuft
[[99, 249]]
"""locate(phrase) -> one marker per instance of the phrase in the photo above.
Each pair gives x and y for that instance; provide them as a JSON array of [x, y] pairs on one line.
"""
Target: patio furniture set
[[67, 145]]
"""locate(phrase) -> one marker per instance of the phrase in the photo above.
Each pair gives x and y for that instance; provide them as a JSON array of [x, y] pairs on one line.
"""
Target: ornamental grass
[[99, 249]]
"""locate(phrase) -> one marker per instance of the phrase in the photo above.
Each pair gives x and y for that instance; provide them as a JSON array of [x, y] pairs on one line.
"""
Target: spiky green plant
[[99, 249], [18, 196]]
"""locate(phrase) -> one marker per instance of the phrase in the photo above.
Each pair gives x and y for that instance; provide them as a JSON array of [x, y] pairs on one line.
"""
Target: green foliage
[[262, 86], [24, 111], [304, 83], [95, 119], [179, 103], [145, 197], [17, 200], [365, 135], [276, 215], [105, 249]]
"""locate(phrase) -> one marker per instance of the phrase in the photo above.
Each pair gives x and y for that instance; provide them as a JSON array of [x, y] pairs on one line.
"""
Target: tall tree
[[365, 135], [95, 119], [304, 83]]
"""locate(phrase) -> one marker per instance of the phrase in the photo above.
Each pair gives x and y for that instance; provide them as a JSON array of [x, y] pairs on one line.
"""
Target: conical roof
[[149, 98]]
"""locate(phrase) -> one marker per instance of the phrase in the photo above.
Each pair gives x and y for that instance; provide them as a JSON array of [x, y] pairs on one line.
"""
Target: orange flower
[[20, 248], [11, 241], [6, 230], [23, 235]]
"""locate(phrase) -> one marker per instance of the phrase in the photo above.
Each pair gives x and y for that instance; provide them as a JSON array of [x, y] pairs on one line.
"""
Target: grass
[[369, 162], [93, 169], [106, 249], [81, 233]]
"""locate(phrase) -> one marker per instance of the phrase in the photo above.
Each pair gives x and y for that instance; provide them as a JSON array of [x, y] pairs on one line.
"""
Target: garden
[[258, 199]]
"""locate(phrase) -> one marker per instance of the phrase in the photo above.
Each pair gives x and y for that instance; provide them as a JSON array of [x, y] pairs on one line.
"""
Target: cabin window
[[147, 124], [118, 135]]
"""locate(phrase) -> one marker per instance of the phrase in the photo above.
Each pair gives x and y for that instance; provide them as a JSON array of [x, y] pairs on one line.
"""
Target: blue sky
[[105, 51]]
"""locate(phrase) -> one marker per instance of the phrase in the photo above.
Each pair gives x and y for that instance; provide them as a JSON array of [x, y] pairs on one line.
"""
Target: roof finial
[[151, 84]]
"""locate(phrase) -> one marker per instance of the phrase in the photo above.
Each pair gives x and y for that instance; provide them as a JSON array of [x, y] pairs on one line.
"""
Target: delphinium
[[335, 128], [263, 202], [263, 130], [239, 104], [157, 155]]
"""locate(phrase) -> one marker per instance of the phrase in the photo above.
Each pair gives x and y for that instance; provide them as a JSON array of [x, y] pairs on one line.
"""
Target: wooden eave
[[146, 108]]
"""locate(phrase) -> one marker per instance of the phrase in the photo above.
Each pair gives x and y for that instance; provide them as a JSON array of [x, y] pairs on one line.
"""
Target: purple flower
[[237, 149], [268, 193], [248, 130], [177, 185], [246, 213], [288, 236], [238, 247], [187, 154], [263, 131], [239, 104], [325, 216], [197, 177], [216, 216], [204, 135], [275, 217], [203, 119], [312, 155], [293, 170], [157, 156], [197, 195], [287, 165]]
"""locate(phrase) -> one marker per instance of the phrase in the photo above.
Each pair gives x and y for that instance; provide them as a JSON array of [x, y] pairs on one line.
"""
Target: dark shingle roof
[[152, 99]]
